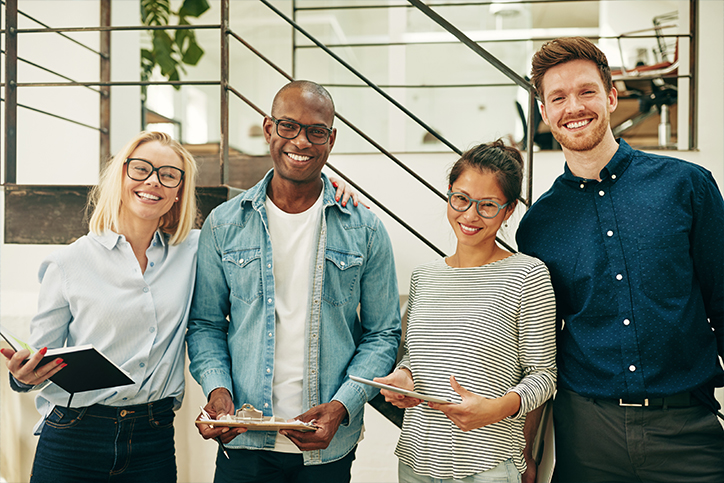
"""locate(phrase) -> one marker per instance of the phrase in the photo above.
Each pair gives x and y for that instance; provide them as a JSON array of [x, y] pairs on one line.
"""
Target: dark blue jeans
[[107, 444], [260, 466]]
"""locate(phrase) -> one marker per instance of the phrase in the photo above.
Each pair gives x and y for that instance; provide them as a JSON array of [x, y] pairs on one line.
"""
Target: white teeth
[[297, 157], [574, 125], [469, 229], [147, 196]]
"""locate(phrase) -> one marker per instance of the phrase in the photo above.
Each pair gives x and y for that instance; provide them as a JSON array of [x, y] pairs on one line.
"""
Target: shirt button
[[142, 364], [154, 243], [583, 185], [619, 277], [145, 289], [268, 370], [269, 300], [613, 176], [151, 263], [626, 322], [632, 368], [341, 263], [601, 193], [266, 405], [268, 265], [152, 330], [271, 335], [609, 233], [241, 260]]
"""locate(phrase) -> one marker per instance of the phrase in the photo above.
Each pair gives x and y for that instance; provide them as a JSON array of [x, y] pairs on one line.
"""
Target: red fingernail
[[334, 184], [64, 365], [1, 351], [43, 350], [59, 360], [344, 203], [336, 198]]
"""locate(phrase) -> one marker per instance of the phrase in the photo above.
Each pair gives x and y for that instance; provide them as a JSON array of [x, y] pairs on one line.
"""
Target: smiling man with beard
[[295, 293], [635, 247]]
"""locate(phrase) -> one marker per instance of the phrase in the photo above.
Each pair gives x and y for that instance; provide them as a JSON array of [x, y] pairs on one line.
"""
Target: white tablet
[[404, 392]]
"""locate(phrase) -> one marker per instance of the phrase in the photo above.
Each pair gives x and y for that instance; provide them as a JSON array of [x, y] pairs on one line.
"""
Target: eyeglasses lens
[[291, 129], [168, 176]]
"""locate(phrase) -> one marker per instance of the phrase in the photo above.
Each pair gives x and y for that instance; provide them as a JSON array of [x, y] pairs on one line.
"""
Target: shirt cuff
[[18, 386]]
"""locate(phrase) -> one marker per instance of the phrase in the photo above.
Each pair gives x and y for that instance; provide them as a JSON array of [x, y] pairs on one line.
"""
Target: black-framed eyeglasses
[[141, 170], [288, 129], [485, 208]]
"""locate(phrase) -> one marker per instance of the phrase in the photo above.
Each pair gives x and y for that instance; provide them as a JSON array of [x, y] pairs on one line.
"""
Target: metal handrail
[[362, 77], [48, 113], [503, 69], [486, 41], [38, 66], [60, 33]]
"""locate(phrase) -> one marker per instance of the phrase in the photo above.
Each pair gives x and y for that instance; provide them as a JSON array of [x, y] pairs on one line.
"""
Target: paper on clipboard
[[254, 420], [398, 390]]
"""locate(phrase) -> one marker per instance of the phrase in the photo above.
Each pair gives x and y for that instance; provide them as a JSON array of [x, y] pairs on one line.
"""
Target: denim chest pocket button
[[341, 276], [243, 273]]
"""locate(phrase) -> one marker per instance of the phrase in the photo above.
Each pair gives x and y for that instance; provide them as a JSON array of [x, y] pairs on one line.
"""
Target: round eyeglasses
[[141, 170], [485, 208], [290, 129]]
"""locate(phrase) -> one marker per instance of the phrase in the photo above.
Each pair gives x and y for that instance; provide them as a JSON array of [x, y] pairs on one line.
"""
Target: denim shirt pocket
[[243, 273], [341, 276], [665, 266]]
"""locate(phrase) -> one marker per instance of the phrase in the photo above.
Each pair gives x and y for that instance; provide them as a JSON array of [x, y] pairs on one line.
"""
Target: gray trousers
[[600, 441]]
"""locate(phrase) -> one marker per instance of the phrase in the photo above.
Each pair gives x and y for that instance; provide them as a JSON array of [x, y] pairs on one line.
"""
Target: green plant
[[170, 53]]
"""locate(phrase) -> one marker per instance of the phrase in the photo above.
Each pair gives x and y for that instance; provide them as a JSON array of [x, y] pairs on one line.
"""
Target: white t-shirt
[[294, 240]]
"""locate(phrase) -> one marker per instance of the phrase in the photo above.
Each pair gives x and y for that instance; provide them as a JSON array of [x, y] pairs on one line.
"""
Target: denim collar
[[256, 195]]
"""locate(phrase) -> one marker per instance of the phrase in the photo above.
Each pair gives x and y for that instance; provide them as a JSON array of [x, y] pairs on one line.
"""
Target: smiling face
[[297, 160], [577, 107], [471, 229], [148, 201]]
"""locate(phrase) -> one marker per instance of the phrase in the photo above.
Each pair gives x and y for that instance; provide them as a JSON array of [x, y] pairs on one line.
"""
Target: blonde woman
[[125, 288]]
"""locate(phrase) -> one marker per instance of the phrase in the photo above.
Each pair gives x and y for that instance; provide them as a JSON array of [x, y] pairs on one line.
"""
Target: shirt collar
[[109, 239], [614, 169], [256, 195]]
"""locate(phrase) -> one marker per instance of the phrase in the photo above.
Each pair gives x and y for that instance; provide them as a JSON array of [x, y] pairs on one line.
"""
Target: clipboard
[[254, 420], [404, 392]]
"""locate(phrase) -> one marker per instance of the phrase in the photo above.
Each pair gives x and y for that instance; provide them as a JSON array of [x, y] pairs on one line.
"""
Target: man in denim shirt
[[635, 246], [294, 293]]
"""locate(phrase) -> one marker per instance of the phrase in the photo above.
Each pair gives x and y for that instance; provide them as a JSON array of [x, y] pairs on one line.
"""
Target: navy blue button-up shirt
[[637, 264]]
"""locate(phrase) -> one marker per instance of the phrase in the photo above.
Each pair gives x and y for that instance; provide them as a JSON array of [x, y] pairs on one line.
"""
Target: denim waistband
[[135, 410]]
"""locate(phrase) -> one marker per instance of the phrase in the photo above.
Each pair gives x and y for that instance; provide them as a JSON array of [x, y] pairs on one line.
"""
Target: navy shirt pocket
[[341, 275], [665, 266], [243, 273]]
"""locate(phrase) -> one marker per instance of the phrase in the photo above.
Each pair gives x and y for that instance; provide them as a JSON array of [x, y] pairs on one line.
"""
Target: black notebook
[[87, 368]]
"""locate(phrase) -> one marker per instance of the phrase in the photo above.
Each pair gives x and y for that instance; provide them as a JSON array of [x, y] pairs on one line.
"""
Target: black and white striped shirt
[[493, 328]]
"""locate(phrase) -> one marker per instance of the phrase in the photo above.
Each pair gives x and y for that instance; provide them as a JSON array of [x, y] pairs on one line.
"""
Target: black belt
[[681, 400]]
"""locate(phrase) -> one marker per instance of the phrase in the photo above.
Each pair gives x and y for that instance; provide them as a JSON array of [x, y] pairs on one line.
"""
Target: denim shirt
[[354, 268]]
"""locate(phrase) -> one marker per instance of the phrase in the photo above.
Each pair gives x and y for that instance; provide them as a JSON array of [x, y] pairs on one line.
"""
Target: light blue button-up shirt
[[93, 292], [353, 268]]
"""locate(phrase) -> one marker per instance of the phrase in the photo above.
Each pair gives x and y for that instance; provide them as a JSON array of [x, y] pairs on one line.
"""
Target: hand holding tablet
[[398, 390]]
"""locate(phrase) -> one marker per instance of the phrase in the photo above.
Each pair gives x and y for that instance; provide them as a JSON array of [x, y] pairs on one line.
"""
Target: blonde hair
[[105, 198]]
